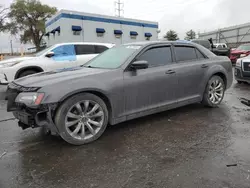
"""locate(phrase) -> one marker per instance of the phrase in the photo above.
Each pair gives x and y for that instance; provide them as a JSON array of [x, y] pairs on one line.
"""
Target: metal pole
[[11, 47], [119, 8]]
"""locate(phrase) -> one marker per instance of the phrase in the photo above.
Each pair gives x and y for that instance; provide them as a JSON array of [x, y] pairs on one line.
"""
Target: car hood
[[15, 59], [238, 51], [58, 76]]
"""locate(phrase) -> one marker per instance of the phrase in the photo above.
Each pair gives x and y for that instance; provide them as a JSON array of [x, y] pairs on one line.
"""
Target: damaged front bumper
[[33, 118]]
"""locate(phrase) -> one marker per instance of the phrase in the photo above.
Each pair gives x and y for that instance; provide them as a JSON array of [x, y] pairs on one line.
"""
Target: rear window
[[185, 53]]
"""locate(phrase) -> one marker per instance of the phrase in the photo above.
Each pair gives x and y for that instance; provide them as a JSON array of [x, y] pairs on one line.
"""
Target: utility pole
[[119, 7], [11, 47]]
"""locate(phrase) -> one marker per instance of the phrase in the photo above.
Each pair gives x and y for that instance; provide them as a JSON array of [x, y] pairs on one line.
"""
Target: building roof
[[99, 18]]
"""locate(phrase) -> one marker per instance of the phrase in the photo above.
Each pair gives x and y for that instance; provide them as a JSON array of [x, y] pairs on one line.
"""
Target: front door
[[190, 71], [152, 87], [64, 57]]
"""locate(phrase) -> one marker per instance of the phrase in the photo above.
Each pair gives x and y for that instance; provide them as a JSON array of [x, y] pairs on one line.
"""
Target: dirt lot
[[188, 147]]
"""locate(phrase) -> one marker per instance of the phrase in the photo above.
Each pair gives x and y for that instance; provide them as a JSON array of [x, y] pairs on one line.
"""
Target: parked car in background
[[217, 50], [242, 51], [242, 70], [220, 45], [123, 83], [64, 55]]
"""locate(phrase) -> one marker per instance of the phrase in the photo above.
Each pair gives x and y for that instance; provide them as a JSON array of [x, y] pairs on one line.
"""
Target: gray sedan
[[123, 83]]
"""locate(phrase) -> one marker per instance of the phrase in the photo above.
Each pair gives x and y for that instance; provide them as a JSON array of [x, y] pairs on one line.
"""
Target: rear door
[[192, 65], [84, 53], [64, 57]]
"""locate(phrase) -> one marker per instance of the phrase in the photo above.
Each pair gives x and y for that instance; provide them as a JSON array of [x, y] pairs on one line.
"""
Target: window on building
[[85, 49], [185, 53], [99, 49], [77, 32], [158, 56]]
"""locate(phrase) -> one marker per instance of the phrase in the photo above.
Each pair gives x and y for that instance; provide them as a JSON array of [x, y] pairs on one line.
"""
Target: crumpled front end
[[30, 117]]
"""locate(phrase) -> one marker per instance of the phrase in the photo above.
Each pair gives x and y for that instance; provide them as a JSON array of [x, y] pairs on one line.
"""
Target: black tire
[[206, 101], [26, 73], [65, 107]]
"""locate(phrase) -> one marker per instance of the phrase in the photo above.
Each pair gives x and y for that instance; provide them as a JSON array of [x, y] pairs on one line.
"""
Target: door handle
[[204, 66], [169, 72]]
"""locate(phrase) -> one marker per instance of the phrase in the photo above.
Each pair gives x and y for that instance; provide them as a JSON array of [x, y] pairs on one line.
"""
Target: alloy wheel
[[84, 119], [216, 90]]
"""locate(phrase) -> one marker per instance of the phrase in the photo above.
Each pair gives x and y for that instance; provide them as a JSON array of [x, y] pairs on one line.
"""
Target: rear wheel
[[82, 119], [214, 92], [26, 73]]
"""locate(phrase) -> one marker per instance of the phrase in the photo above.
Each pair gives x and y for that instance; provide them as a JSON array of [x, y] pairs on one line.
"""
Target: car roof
[[145, 43], [87, 43]]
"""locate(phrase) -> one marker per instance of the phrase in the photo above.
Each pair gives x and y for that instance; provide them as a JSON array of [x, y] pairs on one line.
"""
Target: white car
[[59, 56], [220, 45]]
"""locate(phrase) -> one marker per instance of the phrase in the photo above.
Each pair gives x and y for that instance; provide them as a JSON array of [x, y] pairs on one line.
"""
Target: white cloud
[[180, 15]]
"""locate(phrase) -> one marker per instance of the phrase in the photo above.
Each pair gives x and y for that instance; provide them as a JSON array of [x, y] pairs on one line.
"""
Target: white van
[[64, 55]]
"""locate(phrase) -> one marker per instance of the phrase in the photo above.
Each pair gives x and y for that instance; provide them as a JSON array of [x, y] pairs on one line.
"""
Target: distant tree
[[3, 17], [27, 18], [171, 35], [190, 35]]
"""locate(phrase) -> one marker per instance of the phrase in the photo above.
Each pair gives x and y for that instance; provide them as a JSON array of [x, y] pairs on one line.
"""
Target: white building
[[71, 26]]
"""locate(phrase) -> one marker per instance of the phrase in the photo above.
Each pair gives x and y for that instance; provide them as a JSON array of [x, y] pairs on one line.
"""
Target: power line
[[119, 7]]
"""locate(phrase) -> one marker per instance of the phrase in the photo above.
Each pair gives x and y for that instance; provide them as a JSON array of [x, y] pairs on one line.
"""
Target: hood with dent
[[16, 59], [58, 76]]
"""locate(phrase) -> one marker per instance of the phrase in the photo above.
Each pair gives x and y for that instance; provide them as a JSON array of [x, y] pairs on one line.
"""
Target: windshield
[[114, 57], [244, 47], [44, 51]]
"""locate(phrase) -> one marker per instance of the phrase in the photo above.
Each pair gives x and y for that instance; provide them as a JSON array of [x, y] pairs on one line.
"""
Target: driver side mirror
[[50, 54], [139, 65]]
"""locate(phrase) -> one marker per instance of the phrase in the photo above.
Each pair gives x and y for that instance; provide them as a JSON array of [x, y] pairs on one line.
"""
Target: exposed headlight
[[10, 64], [30, 99], [238, 63]]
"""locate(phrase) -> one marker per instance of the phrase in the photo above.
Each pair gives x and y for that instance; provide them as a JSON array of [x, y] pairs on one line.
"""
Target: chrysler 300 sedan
[[123, 83]]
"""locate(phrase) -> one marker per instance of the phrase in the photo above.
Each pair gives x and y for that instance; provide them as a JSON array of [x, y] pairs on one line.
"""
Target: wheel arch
[[37, 68], [103, 95]]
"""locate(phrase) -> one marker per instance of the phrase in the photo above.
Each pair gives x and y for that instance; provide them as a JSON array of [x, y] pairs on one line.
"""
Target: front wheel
[[82, 119], [214, 92]]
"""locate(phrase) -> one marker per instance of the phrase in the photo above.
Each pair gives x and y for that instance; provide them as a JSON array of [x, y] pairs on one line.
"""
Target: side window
[[64, 52], [185, 53], [99, 49], [157, 56], [84, 49], [199, 54]]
